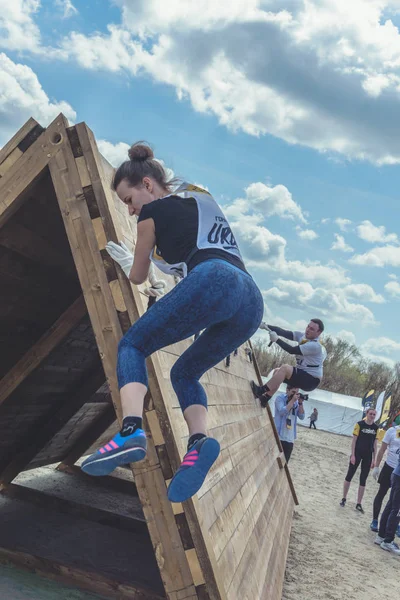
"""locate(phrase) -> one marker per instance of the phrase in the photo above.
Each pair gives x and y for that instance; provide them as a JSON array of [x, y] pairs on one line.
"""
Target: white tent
[[336, 413]]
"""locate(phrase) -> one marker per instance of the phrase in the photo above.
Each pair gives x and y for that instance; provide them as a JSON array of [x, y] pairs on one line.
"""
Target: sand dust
[[331, 554]]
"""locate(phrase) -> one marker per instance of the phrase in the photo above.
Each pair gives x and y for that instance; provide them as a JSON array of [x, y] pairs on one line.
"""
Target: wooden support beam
[[32, 359], [90, 435], [18, 179], [26, 242], [69, 507], [92, 582], [112, 482], [50, 426], [17, 139]]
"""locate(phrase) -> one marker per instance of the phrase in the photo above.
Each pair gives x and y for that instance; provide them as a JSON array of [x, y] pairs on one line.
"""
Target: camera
[[303, 397]]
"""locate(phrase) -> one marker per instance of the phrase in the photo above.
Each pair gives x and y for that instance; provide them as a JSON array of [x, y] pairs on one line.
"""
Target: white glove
[[273, 336], [264, 326], [375, 473], [122, 255], [157, 286]]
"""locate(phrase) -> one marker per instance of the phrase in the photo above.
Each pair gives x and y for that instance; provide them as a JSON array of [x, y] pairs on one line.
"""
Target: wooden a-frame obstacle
[[63, 308]]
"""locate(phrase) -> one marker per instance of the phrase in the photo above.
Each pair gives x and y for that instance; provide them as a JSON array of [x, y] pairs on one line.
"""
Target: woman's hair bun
[[140, 151]]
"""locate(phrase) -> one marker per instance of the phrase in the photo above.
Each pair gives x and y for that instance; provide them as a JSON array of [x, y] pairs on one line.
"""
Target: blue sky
[[285, 111]]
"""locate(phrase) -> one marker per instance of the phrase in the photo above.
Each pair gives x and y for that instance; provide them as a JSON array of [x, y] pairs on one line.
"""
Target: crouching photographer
[[288, 408]]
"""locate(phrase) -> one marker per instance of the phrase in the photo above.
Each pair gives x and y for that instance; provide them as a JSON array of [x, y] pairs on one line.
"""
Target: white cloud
[[330, 303], [265, 250], [116, 154], [347, 336], [69, 10], [18, 30], [340, 244], [22, 97], [343, 224], [318, 73], [382, 346], [393, 288], [392, 276], [379, 257], [375, 234], [325, 221], [307, 234], [363, 291], [267, 201]]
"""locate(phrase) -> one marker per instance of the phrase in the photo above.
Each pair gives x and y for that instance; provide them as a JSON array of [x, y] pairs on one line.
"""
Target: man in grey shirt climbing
[[310, 356]]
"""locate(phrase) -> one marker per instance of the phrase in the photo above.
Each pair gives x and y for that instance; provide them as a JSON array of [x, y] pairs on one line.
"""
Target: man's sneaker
[[119, 451], [374, 525], [378, 540], [194, 468], [343, 502], [260, 393], [398, 531], [360, 508], [391, 547], [256, 389]]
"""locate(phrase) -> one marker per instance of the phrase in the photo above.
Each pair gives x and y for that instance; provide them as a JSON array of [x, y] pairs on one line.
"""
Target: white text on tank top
[[213, 230], [392, 438], [311, 364]]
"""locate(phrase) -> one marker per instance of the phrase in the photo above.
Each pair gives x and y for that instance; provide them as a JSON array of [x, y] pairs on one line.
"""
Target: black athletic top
[[176, 221], [366, 436]]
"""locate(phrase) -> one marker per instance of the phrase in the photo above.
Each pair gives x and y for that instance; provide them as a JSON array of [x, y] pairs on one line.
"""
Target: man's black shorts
[[303, 380]]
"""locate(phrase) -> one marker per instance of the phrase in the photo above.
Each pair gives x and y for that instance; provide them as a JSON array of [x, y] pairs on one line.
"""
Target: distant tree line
[[346, 370]]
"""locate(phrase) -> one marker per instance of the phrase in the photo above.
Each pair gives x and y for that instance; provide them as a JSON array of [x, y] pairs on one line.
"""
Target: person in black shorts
[[310, 356], [363, 451]]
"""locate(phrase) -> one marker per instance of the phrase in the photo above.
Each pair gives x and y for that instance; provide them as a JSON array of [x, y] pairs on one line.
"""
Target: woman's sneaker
[[194, 469], [343, 502], [121, 450], [360, 508], [374, 525], [378, 540], [391, 547]]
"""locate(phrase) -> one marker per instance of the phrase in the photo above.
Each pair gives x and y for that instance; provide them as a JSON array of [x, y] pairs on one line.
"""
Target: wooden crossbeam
[[50, 426], [112, 482], [32, 359], [24, 172], [17, 139], [76, 509], [26, 242], [90, 435], [94, 582]]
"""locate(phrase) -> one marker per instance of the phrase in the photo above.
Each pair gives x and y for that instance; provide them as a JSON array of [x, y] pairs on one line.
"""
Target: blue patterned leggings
[[216, 297]]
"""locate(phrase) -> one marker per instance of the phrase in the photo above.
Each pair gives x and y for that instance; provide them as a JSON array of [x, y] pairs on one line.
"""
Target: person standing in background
[[288, 408], [313, 418]]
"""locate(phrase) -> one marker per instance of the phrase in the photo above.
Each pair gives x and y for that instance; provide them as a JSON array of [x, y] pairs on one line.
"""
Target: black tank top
[[176, 221]]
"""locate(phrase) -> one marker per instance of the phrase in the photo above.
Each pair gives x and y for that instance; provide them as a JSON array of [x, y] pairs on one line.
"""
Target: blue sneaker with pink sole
[[121, 450], [193, 470]]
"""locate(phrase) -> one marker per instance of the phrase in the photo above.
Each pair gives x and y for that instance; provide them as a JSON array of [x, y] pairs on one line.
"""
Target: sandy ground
[[332, 555]]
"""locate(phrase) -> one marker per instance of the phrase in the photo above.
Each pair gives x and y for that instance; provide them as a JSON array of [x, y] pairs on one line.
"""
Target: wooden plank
[[54, 422], [90, 435], [90, 581], [26, 242], [10, 161], [32, 359], [69, 507], [17, 139], [148, 476], [16, 182], [113, 482], [88, 262]]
